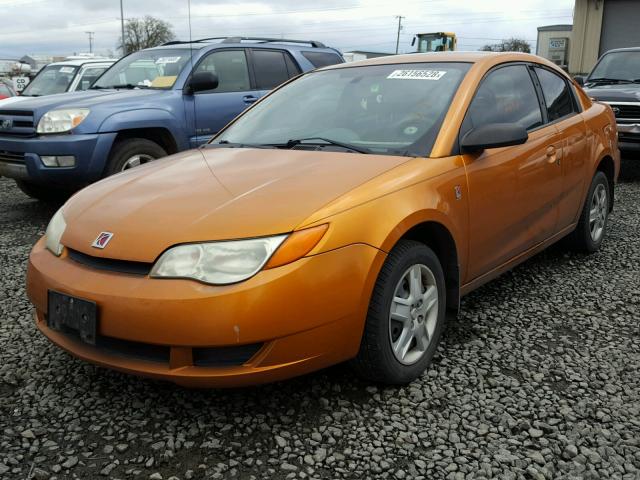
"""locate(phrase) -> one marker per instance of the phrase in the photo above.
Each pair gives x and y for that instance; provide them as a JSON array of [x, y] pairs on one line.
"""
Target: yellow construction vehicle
[[435, 42]]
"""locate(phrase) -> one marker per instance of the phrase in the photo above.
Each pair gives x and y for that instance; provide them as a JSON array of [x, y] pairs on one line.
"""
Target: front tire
[[44, 193], [406, 316], [131, 152], [592, 225]]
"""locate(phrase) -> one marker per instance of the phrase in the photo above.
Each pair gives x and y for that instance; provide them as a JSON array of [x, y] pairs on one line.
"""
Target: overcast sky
[[58, 26]]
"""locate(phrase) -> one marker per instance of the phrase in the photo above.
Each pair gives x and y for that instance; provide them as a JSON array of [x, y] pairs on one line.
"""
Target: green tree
[[145, 32], [510, 45]]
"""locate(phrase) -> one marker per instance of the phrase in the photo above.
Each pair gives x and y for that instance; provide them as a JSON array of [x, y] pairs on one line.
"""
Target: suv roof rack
[[312, 43]]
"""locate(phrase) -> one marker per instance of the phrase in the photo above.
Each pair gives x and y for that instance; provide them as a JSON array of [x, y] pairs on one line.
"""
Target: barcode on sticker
[[417, 74]]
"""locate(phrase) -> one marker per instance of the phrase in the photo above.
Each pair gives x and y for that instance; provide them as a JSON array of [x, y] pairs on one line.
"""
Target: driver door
[[209, 111], [513, 190]]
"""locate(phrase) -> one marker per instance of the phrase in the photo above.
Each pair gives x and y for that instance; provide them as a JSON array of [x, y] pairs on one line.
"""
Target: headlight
[[54, 233], [59, 121], [217, 263]]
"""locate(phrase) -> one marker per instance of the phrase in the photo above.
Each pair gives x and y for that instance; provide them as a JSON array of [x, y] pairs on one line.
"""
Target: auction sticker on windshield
[[165, 60], [417, 74]]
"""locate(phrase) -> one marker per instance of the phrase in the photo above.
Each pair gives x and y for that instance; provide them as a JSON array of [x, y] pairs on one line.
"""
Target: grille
[[11, 157], [109, 264], [22, 122], [126, 348], [224, 356], [626, 112]]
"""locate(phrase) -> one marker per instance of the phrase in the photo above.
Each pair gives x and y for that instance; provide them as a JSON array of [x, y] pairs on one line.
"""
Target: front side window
[[556, 93], [88, 76], [51, 79], [230, 66], [388, 109], [157, 68], [506, 95]]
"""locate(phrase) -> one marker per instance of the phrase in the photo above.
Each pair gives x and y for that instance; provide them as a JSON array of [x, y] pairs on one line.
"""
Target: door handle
[[249, 99], [552, 155]]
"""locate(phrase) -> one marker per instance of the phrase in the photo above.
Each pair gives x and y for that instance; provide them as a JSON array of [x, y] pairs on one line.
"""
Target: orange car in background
[[337, 219]]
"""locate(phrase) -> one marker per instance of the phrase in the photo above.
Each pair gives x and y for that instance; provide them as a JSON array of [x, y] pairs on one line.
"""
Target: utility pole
[[91, 34], [124, 50], [399, 17]]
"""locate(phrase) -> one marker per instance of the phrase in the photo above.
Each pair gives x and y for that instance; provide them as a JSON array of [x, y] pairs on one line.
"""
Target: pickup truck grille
[[16, 122], [626, 111], [11, 157]]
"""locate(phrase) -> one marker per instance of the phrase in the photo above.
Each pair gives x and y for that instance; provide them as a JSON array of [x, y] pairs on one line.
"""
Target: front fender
[[146, 118]]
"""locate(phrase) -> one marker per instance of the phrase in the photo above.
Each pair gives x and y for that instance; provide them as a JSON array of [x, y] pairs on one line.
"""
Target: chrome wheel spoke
[[415, 281], [422, 337], [593, 215], [430, 298], [403, 343]]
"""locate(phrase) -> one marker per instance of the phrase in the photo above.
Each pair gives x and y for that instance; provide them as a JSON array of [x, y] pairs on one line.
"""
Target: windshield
[[145, 69], [51, 79], [623, 66], [387, 109]]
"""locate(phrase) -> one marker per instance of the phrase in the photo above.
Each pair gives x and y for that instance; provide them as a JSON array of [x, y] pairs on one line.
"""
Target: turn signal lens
[[296, 246]]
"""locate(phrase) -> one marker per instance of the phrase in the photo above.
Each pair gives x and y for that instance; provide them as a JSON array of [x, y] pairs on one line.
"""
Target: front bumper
[[306, 315], [629, 136], [20, 158]]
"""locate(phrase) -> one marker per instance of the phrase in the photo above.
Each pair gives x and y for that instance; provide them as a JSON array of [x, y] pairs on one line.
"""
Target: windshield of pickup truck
[[145, 69], [388, 109], [617, 66], [51, 79]]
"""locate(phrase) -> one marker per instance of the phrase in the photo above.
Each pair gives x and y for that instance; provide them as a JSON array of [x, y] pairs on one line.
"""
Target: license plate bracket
[[67, 313]]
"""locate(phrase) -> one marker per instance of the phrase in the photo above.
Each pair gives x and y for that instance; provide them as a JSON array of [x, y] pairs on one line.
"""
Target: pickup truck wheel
[[592, 225], [132, 152], [44, 193], [406, 316]]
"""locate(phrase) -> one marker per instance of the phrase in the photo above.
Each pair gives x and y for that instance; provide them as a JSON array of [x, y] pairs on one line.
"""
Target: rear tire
[[592, 225], [131, 152], [44, 193], [404, 324]]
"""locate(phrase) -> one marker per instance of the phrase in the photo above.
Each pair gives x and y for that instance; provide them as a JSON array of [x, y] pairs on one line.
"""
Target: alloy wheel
[[136, 160], [414, 314], [598, 212]]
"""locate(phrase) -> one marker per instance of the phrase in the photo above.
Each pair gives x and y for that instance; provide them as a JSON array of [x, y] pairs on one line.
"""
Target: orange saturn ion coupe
[[337, 219]]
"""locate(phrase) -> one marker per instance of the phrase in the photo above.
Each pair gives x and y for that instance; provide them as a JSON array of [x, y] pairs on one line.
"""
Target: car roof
[[252, 42], [84, 61], [486, 59], [627, 49]]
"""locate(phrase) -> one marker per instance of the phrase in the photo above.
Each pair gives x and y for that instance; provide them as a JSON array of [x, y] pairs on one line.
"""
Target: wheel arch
[[439, 238], [160, 135]]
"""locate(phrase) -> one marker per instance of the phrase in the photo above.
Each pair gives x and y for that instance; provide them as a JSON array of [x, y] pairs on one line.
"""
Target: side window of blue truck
[[231, 68]]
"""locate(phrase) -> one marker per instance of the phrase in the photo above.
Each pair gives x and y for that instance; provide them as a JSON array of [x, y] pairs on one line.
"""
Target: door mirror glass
[[494, 135], [202, 81]]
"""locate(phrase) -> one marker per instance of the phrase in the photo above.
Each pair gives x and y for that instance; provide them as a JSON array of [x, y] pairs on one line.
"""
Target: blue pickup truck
[[150, 104]]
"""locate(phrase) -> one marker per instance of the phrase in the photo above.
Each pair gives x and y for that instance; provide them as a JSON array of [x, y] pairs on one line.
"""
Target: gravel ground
[[537, 378]]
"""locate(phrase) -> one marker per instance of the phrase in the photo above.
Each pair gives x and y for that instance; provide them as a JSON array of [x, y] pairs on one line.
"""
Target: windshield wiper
[[310, 140], [609, 80], [228, 144], [127, 86]]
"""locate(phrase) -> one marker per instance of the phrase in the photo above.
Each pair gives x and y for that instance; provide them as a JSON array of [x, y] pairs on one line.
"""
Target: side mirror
[[494, 135], [579, 80], [413, 42], [202, 81]]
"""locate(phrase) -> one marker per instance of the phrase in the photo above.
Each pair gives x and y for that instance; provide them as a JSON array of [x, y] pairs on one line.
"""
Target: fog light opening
[[58, 160]]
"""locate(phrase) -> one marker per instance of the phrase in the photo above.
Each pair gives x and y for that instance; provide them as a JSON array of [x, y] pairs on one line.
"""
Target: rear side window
[[506, 95], [272, 68], [322, 59], [556, 92]]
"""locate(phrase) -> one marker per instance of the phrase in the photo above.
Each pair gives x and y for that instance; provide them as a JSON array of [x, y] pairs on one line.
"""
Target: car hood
[[115, 99], [212, 194], [11, 100], [615, 93]]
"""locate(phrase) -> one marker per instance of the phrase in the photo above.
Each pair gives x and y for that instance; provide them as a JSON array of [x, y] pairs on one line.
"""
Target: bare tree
[[145, 33], [510, 45]]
